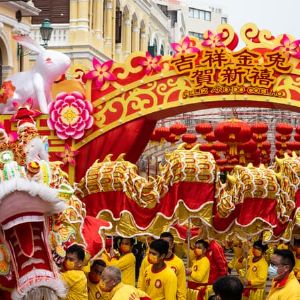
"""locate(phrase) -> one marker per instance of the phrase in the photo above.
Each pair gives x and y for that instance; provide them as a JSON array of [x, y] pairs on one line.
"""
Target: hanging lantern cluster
[[282, 136], [190, 140]]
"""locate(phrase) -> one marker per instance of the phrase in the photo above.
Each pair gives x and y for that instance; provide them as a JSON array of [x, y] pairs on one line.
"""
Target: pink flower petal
[[210, 34], [50, 124], [285, 41], [89, 123], [207, 43], [109, 76], [176, 47], [78, 95], [107, 65], [62, 135], [99, 82], [91, 74], [78, 135], [96, 64], [186, 42]]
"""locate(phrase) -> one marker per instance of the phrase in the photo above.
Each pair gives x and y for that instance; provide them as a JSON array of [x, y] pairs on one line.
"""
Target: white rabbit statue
[[36, 83]]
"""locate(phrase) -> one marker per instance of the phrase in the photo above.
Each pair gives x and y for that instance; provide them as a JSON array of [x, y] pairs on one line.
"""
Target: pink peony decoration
[[213, 41], [151, 63], [186, 47], [101, 73], [70, 115], [292, 47]]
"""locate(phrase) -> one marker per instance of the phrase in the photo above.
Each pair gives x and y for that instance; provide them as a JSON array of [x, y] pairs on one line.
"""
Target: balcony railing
[[59, 37]]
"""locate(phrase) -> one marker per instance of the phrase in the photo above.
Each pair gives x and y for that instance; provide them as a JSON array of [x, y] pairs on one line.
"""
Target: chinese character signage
[[219, 71]]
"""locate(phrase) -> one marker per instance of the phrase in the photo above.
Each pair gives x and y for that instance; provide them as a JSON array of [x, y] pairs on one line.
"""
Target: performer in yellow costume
[[237, 263], [73, 276], [159, 281], [93, 279], [256, 273], [111, 283], [172, 261], [126, 262], [285, 285], [199, 273], [297, 259]]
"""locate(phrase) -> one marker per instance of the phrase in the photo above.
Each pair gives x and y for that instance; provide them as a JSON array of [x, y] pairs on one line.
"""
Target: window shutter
[[57, 11]]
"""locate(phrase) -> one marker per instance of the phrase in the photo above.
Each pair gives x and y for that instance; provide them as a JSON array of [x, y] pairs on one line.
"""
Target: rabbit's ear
[[29, 43]]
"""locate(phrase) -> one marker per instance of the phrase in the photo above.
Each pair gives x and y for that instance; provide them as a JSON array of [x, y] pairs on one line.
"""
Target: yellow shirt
[[126, 292], [95, 293], [126, 263], [200, 270], [290, 291], [297, 268], [160, 285], [176, 264], [257, 273], [76, 283]]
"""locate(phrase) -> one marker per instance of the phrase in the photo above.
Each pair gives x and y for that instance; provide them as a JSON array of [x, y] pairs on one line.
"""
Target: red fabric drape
[[130, 138]]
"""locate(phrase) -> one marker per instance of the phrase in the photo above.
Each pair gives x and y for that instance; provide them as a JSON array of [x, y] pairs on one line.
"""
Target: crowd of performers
[[155, 270]]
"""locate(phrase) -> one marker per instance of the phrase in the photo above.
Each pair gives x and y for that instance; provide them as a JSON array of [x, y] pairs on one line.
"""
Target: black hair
[[161, 246], [99, 262], [260, 245], [228, 288], [204, 243], [130, 239], [167, 234], [78, 250], [287, 257]]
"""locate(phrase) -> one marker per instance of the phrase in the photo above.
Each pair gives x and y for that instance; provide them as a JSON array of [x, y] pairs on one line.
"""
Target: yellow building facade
[[15, 18], [108, 29]]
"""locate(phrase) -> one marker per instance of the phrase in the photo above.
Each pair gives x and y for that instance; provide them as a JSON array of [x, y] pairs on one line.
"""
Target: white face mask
[[272, 271]]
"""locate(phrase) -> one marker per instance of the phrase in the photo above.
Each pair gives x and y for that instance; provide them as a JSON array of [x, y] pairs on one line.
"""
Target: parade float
[[69, 150]]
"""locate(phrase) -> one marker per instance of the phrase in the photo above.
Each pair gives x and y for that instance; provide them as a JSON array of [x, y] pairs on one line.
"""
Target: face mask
[[198, 252], [125, 248], [272, 271], [94, 277], [256, 252], [103, 286], [69, 265], [153, 259]]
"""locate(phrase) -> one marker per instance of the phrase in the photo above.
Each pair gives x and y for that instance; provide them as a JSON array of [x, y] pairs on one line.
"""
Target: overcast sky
[[278, 16]]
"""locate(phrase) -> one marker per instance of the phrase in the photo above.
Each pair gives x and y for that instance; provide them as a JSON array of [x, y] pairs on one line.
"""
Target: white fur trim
[[34, 189], [52, 283], [21, 220]]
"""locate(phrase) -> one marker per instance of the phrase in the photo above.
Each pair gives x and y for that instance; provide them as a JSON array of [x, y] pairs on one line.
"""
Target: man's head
[[74, 257], [201, 247], [168, 237], [228, 288], [259, 248], [96, 270], [282, 263], [126, 245], [158, 251], [111, 276]]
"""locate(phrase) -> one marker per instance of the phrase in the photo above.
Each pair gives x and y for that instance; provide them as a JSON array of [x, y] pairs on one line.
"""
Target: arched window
[[118, 27], [153, 49], [162, 50]]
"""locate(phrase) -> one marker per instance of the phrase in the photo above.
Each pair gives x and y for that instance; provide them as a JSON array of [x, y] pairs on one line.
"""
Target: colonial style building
[[107, 29], [15, 18]]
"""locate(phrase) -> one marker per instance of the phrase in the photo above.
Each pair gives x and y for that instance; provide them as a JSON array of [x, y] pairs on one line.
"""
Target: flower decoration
[[67, 156], [186, 47], [101, 73], [292, 47], [6, 91], [151, 63], [70, 115], [212, 40]]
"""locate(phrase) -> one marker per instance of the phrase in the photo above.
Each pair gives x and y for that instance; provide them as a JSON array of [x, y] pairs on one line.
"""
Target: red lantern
[[162, 132], [293, 146], [172, 138], [203, 128], [154, 137], [215, 154], [266, 145], [259, 128], [284, 128], [210, 137], [282, 138], [205, 147], [220, 146], [221, 161], [249, 146], [189, 138], [298, 129], [178, 129], [297, 137]]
